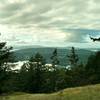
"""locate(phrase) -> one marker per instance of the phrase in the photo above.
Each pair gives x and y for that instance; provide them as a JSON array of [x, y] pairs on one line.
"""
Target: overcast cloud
[[49, 22]]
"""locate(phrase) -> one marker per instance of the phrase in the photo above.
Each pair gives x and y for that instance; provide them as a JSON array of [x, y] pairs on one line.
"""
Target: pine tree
[[95, 39], [5, 56], [55, 62], [93, 68], [73, 57], [38, 63], [54, 58], [34, 71]]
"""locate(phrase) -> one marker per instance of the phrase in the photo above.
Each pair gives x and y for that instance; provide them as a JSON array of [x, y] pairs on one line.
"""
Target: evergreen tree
[[55, 62], [5, 56], [38, 63], [93, 68], [34, 71], [73, 58], [95, 39], [54, 58]]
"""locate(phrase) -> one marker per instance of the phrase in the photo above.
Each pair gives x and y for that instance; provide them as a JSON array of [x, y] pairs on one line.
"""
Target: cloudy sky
[[50, 22]]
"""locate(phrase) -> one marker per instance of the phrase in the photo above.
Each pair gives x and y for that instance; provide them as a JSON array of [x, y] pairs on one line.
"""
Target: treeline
[[35, 77]]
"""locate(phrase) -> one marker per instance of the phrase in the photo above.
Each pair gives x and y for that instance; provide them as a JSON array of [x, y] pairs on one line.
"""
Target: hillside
[[80, 93], [25, 54]]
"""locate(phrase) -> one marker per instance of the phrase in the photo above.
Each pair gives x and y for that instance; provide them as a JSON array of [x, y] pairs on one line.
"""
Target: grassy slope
[[80, 93]]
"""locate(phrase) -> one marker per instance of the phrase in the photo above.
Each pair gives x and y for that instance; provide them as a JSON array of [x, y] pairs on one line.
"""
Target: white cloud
[[44, 21]]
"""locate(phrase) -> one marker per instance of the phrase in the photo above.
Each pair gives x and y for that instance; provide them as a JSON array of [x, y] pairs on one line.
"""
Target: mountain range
[[25, 54]]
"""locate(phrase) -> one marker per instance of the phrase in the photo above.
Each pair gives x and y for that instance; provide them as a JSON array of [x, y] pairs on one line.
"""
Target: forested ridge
[[35, 77]]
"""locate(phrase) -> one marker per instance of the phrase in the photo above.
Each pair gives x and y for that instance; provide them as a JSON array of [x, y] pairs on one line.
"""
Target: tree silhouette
[[55, 62], [73, 58], [95, 39], [5, 56], [31, 74]]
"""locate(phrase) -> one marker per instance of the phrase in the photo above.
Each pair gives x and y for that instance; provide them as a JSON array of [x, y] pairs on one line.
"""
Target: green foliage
[[54, 73], [5, 56], [93, 68], [32, 74], [35, 77], [54, 58], [73, 58]]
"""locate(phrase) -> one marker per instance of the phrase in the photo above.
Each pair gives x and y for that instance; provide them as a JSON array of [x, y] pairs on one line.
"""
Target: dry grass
[[80, 93]]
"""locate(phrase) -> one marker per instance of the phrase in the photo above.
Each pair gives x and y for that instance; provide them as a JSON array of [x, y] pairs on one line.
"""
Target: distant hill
[[25, 54], [79, 93]]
